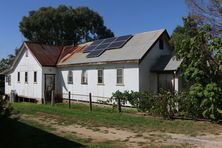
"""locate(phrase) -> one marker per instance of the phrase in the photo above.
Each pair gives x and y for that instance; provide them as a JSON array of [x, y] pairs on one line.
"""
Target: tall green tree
[[64, 25], [202, 65]]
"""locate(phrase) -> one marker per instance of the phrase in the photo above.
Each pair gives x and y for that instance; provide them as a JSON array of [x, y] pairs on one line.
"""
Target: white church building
[[139, 62]]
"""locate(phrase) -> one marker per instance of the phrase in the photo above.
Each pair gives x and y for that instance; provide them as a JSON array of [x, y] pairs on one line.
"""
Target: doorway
[[49, 86]]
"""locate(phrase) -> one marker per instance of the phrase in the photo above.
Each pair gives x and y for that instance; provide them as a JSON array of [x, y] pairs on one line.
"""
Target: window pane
[[84, 77], [119, 76], [100, 76], [35, 76], [100, 80], [161, 44], [26, 77], [119, 80], [119, 72], [18, 79], [9, 80], [70, 77]]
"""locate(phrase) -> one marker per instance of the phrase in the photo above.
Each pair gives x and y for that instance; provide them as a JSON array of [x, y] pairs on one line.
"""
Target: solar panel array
[[100, 46]]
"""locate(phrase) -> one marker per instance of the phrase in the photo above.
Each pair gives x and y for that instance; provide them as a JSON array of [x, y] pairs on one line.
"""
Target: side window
[[26, 77], [18, 77], [35, 76], [9, 79], [100, 76], [161, 44], [84, 77], [119, 76], [70, 77]]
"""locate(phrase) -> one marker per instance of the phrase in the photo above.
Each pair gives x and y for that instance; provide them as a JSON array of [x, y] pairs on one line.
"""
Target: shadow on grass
[[17, 134]]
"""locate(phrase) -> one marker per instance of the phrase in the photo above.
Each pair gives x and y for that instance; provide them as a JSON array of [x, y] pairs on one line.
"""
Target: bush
[[197, 102], [5, 107]]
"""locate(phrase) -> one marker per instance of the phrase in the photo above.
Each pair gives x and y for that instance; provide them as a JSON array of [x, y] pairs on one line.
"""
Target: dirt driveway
[[126, 137]]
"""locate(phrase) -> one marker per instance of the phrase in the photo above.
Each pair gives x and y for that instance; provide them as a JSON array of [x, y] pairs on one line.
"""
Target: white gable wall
[[26, 64], [148, 80], [99, 92]]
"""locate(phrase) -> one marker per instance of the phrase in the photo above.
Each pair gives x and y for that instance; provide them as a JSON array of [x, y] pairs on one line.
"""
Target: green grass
[[102, 116]]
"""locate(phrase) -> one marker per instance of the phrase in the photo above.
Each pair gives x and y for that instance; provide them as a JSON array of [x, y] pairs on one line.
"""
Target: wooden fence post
[[119, 105], [90, 101], [69, 99], [52, 98]]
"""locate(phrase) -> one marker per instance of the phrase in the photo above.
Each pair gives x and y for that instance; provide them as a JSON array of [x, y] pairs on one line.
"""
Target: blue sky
[[121, 16]]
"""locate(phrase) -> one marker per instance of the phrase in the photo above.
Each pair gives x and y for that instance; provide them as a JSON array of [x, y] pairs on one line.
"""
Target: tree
[[202, 65], [64, 25], [207, 12]]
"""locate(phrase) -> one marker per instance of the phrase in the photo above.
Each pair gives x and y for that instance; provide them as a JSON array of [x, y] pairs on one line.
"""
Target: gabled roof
[[134, 49], [46, 55]]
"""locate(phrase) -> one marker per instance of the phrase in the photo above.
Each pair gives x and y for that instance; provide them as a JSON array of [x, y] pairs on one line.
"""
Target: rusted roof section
[[67, 51], [47, 55]]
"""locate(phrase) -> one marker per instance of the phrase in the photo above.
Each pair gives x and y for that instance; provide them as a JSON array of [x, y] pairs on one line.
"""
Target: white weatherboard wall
[[99, 92], [148, 80], [26, 64]]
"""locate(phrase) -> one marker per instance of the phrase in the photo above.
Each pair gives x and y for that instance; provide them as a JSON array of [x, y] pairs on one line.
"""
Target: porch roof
[[166, 63]]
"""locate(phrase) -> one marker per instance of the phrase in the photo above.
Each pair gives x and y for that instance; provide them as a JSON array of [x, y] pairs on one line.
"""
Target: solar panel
[[97, 42], [89, 48], [99, 46], [116, 45], [102, 46], [95, 53], [109, 40], [123, 38]]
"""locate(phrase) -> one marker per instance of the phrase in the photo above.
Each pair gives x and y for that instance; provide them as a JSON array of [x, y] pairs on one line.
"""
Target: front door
[[49, 86]]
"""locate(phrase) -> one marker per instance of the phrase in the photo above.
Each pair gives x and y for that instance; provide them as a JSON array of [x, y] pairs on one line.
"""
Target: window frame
[[35, 77], [98, 77], [120, 76], [84, 77], [161, 44], [26, 77], [70, 75]]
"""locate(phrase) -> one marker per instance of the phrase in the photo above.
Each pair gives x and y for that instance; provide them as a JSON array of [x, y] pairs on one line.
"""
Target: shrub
[[5, 107]]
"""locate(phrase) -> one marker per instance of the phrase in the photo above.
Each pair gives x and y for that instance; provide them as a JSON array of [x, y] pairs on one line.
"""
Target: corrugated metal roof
[[69, 51], [47, 55], [166, 63], [134, 49]]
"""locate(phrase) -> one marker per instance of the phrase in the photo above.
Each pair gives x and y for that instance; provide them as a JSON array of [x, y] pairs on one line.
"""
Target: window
[[70, 77], [26, 53], [18, 77], [6, 79], [26, 77], [100, 76], [35, 77], [84, 77], [119, 76], [161, 43], [9, 79]]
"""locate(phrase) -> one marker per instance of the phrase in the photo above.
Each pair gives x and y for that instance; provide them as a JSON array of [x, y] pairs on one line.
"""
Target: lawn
[[41, 126], [107, 117]]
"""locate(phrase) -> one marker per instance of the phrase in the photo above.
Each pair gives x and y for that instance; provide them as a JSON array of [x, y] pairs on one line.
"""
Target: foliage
[[202, 67], [162, 104], [64, 25], [212, 103], [207, 12], [5, 107]]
